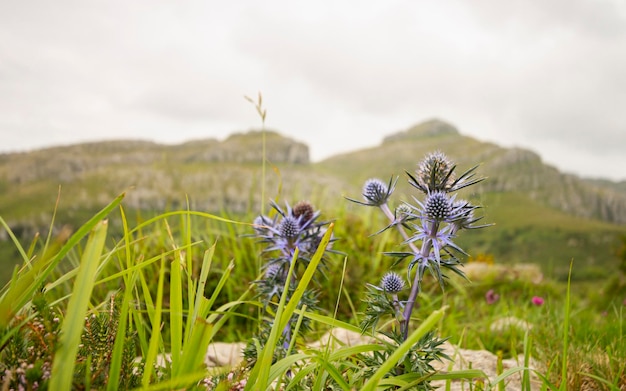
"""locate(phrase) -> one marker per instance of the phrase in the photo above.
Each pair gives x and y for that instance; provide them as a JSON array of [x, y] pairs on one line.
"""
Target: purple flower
[[538, 300], [438, 206], [491, 296], [392, 283]]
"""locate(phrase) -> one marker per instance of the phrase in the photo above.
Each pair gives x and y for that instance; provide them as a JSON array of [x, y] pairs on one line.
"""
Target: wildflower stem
[[398, 309], [415, 288]]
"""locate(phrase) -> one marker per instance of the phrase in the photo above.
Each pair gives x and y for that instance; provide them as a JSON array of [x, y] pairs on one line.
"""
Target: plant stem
[[410, 303], [423, 252]]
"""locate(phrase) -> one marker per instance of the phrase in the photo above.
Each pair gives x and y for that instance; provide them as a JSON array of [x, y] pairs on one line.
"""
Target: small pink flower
[[537, 300], [624, 302], [491, 296]]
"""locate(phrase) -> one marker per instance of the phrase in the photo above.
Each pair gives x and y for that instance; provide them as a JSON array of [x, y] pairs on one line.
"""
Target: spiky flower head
[[375, 192], [289, 228], [464, 217], [435, 172], [403, 212], [464, 214], [305, 210], [392, 283], [262, 225], [438, 206]]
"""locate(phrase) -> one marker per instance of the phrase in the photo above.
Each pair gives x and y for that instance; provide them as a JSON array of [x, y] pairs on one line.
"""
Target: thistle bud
[[303, 209], [433, 173], [289, 228], [438, 206], [392, 283], [375, 192]]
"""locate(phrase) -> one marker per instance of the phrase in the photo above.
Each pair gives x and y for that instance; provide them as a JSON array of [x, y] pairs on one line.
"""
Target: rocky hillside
[[214, 175], [74, 162], [508, 169]]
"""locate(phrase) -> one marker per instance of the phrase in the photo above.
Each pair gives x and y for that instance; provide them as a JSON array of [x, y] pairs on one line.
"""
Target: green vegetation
[[166, 282], [129, 296]]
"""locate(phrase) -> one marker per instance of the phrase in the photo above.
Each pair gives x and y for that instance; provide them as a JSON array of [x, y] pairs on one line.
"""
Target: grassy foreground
[[99, 308]]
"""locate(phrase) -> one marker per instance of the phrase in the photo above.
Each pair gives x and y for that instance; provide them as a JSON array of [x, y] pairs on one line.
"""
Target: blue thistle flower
[[289, 228], [392, 283], [263, 225], [376, 192], [435, 172], [438, 206], [463, 216], [404, 213]]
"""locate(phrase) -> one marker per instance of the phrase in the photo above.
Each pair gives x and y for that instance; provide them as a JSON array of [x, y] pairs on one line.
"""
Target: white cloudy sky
[[337, 75]]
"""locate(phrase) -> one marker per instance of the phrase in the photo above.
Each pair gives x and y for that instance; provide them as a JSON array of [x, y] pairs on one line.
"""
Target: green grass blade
[[22, 289], [192, 358], [307, 276], [347, 351], [527, 349], [15, 241], [284, 364], [72, 328], [141, 265], [120, 336], [563, 385], [202, 331], [259, 375], [207, 305], [176, 313], [204, 274], [501, 377], [182, 382], [607, 383], [329, 321], [155, 338], [460, 375]]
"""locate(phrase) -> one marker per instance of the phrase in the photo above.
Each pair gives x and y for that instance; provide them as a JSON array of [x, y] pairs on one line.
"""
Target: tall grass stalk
[[72, 329], [155, 312], [566, 319]]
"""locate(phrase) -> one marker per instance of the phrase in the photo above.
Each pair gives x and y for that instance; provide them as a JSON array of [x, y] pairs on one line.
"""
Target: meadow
[[97, 308]]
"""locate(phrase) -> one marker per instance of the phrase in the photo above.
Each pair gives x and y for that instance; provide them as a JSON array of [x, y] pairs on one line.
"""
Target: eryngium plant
[[291, 235], [429, 226]]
